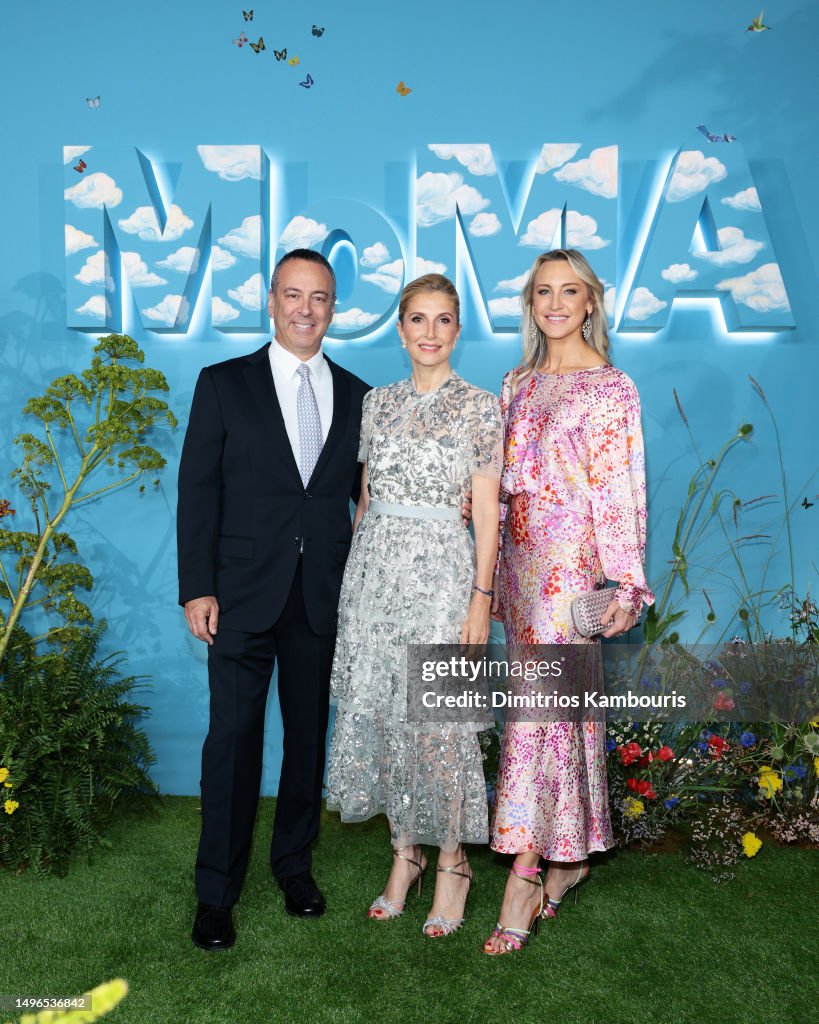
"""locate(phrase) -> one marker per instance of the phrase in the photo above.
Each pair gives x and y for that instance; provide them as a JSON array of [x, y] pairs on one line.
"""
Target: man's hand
[[202, 614], [618, 619]]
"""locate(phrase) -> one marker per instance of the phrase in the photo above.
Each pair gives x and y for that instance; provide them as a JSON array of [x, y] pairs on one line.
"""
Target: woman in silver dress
[[414, 577]]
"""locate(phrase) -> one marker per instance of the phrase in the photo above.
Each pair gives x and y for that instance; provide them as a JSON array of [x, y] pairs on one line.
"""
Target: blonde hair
[[428, 283], [534, 340]]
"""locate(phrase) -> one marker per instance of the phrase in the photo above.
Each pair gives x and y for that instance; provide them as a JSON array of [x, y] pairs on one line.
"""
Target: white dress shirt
[[286, 380]]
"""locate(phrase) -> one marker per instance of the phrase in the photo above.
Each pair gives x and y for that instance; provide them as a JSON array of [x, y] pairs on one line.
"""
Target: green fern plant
[[70, 751]]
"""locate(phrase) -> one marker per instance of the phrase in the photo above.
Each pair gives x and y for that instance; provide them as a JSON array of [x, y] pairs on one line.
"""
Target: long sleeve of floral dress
[[617, 489]]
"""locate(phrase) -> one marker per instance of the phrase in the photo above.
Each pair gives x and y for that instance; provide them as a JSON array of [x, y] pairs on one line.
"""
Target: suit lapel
[[259, 378], [341, 408]]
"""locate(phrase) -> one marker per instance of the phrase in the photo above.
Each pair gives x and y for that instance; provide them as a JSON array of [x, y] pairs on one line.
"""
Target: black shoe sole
[[212, 949]]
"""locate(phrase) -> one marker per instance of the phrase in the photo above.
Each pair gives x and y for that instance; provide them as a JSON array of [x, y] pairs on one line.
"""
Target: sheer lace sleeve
[[367, 416], [487, 436]]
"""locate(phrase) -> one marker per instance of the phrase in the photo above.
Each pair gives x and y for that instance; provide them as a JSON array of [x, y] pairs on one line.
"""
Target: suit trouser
[[240, 666]]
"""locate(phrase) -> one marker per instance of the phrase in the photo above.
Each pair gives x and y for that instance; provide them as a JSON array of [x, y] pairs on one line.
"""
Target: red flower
[[646, 759], [629, 753], [665, 753], [724, 703], [718, 746], [643, 787]]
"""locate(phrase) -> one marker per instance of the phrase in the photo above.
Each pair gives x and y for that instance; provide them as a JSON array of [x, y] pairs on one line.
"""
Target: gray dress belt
[[414, 511]]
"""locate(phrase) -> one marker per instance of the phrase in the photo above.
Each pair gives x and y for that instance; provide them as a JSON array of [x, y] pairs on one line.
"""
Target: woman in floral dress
[[414, 577], [573, 494]]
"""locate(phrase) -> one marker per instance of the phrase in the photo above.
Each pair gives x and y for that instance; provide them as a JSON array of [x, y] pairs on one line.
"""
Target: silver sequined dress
[[409, 580]]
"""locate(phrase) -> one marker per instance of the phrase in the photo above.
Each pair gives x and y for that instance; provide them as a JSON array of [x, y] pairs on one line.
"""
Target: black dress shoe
[[301, 896], [213, 927]]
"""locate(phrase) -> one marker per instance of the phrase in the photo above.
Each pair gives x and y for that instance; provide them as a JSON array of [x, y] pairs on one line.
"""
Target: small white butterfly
[[92, 101]]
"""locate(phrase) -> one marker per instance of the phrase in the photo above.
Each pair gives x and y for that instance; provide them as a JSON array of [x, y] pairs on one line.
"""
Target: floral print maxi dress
[[407, 581], [575, 485]]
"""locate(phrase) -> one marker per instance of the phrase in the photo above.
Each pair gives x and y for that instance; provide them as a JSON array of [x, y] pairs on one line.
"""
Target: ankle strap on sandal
[[523, 872], [453, 869]]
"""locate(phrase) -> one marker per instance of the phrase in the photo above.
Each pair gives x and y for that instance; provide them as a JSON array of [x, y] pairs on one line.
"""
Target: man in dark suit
[[268, 468]]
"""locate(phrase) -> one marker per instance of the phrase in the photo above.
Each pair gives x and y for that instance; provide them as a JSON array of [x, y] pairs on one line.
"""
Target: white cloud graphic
[[477, 159], [96, 270], [513, 284], [644, 304], [387, 277], [171, 308], [555, 154], [747, 199], [437, 196], [423, 266], [762, 289], [232, 163], [138, 273], [72, 152], [246, 240], [143, 222], [75, 240], [678, 272], [249, 294], [374, 255], [96, 307], [184, 260], [221, 312], [302, 233], [94, 192], [693, 173], [483, 224], [734, 248], [609, 296], [220, 259], [354, 317], [509, 306], [581, 231], [596, 174]]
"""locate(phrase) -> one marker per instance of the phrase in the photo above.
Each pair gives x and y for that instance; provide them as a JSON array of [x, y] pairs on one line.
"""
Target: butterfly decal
[[318, 32], [403, 89], [80, 167], [293, 61], [280, 54], [256, 47], [240, 42], [248, 15], [308, 82], [92, 101]]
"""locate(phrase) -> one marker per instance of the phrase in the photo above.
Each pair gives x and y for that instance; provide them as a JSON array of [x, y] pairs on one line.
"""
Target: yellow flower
[[634, 807], [10, 806], [770, 781], [816, 765], [4, 774], [8, 785], [751, 845], [814, 723]]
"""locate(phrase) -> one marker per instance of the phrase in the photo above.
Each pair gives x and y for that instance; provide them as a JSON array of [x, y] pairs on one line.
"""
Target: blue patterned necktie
[[309, 422]]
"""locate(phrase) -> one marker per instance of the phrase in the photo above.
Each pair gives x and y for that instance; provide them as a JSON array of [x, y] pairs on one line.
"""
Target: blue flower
[[799, 680], [671, 802], [795, 771], [719, 683], [747, 739], [703, 746], [610, 745], [745, 687]]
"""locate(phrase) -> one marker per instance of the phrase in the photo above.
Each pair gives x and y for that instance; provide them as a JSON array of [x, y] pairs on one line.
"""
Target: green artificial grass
[[651, 939]]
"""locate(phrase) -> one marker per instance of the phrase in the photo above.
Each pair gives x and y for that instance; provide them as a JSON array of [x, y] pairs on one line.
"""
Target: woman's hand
[[475, 630], [619, 620]]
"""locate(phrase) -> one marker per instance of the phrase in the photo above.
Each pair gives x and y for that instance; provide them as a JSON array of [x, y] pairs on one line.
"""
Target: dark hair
[[429, 283], [310, 256]]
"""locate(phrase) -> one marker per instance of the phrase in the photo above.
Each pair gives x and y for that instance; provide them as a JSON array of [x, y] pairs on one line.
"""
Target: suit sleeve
[[200, 493]]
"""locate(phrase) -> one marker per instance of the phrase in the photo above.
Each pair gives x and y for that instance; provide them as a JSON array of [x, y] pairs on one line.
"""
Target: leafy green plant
[[70, 751], [104, 415]]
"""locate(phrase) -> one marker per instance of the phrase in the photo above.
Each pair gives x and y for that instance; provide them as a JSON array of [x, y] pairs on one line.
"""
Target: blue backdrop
[[155, 166]]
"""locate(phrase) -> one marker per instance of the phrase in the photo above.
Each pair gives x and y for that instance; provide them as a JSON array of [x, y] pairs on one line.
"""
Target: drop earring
[[586, 329]]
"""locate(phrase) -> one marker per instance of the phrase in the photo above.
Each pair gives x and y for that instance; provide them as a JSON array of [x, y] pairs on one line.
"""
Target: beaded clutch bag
[[587, 609]]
